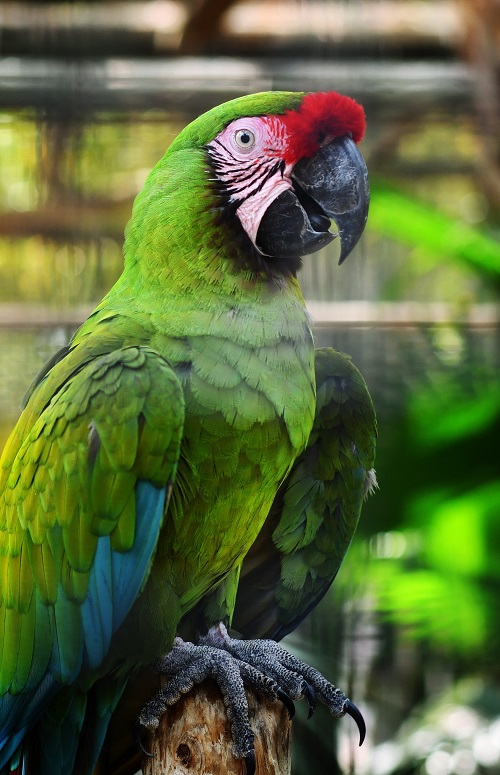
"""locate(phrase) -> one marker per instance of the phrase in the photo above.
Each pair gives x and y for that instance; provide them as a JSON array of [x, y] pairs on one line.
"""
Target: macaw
[[189, 462]]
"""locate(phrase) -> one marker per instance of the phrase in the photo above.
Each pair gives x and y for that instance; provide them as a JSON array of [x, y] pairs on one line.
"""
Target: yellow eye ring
[[244, 139]]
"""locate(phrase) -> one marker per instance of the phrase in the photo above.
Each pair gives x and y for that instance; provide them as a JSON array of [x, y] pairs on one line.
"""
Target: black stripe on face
[[240, 181]]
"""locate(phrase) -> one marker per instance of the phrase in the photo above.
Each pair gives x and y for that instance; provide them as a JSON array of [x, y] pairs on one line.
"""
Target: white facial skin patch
[[248, 159]]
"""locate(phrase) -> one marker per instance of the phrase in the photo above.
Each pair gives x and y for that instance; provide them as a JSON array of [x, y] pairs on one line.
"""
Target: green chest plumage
[[249, 391]]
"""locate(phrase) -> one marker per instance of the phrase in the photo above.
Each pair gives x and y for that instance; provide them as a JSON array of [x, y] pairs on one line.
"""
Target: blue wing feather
[[129, 570], [97, 609], [116, 578]]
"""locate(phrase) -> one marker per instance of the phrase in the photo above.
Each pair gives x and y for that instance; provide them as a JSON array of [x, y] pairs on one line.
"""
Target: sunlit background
[[91, 94]]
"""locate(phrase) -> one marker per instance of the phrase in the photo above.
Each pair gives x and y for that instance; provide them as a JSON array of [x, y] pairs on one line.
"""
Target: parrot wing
[[84, 486], [316, 510]]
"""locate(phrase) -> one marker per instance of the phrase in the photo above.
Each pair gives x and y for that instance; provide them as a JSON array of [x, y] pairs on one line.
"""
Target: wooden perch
[[194, 736]]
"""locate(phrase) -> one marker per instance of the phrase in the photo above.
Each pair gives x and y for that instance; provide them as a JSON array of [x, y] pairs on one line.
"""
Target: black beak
[[331, 185]]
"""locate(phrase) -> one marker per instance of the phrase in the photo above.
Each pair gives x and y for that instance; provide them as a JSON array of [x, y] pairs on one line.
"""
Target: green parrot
[[189, 462]]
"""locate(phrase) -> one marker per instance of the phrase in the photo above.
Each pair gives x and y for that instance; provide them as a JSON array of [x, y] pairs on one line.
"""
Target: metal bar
[[192, 84], [350, 314]]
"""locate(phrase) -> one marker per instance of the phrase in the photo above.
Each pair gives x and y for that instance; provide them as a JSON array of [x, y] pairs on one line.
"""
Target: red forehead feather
[[321, 115]]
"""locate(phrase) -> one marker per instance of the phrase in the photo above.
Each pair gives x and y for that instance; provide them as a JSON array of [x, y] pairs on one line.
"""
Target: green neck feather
[[174, 243]]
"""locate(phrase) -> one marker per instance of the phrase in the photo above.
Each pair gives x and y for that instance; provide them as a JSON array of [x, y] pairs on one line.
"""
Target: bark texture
[[194, 737]]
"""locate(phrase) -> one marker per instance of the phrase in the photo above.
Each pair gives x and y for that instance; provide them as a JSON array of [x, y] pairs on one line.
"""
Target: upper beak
[[336, 178], [331, 185]]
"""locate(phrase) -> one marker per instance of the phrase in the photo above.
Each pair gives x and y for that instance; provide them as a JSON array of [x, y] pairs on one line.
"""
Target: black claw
[[250, 763], [356, 714], [138, 728], [310, 696], [287, 702]]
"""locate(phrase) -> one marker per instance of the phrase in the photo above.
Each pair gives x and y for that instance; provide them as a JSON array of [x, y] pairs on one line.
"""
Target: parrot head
[[284, 166]]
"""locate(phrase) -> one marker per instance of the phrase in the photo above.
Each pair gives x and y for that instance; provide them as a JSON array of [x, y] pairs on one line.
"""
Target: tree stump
[[194, 737]]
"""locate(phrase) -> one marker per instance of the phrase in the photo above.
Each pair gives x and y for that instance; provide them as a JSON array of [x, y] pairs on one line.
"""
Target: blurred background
[[91, 94]]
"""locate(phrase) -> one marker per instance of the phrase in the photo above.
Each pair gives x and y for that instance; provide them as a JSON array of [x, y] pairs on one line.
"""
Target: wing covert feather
[[316, 511], [84, 493]]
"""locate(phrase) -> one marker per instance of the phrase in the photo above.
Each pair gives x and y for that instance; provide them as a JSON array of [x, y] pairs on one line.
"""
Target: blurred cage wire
[[91, 95]]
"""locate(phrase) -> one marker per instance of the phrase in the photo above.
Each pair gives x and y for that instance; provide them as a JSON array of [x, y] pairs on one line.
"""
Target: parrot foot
[[188, 664], [295, 677], [262, 664]]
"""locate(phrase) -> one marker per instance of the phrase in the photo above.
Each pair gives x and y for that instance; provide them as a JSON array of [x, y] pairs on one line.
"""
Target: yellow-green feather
[[77, 487]]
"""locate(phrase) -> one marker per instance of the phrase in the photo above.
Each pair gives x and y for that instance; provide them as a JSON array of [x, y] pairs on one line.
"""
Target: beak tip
[[344, 250], [352, 226]]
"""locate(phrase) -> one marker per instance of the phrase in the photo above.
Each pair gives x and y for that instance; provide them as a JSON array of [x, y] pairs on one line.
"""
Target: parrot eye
[[244, 139]]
